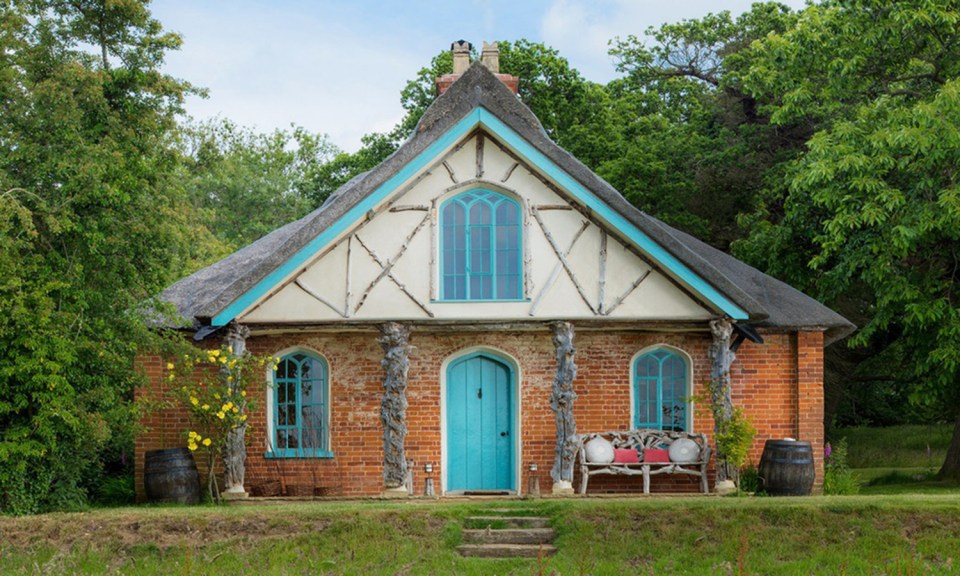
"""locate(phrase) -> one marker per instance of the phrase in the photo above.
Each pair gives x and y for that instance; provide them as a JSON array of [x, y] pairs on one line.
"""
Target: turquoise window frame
[[493, 256], [298, 359], [649, 389]]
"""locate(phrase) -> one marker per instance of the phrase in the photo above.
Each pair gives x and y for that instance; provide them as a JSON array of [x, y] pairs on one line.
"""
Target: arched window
[[660, 392], [480, 255], [299, 407]]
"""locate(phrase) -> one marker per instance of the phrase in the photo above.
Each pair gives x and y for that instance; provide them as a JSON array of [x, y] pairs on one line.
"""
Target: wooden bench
[[641, 440]]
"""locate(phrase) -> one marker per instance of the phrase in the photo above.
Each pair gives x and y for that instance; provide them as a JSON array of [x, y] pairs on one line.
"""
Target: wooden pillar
[[394, 339], [561, 400], [235, 451], [721, 357]]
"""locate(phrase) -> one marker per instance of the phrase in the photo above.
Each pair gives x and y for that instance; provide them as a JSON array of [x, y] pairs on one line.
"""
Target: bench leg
[[646, 479], [585, 476], [704, 487]]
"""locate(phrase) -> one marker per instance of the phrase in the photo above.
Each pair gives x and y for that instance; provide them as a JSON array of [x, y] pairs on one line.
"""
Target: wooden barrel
[[786, 468], [171, 476]]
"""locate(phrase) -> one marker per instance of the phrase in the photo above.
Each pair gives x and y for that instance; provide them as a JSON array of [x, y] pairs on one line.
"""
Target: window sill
[[521, 300], [281, 454]]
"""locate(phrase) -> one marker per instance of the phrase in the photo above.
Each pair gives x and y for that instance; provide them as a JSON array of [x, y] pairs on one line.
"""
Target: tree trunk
[[561, 400], [235, 450], [394, 340], [721, 357], [951, 464]]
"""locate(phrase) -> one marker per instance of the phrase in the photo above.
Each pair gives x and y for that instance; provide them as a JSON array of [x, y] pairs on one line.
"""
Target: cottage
[[475, 301]]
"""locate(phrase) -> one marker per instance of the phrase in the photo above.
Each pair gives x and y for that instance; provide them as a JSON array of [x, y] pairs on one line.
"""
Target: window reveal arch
[[660, 391], [480, 247], [299, 407]]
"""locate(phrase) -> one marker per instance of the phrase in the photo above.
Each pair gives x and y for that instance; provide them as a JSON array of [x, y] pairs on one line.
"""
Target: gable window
[[660, 391], [480, 255], [299, 410]]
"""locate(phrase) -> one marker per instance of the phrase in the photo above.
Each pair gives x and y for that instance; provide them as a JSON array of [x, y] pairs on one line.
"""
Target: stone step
[[511, 511], [506, 550], [509, 536], [508, 521]]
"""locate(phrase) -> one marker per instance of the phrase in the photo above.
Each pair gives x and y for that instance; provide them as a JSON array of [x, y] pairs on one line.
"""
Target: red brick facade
[[779, 384]]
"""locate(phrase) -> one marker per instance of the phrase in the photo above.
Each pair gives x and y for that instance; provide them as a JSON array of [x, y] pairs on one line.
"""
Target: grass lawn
[[695, 535], [898, 459]]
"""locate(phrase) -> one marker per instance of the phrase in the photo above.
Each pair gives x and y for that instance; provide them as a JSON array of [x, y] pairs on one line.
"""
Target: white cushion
[[684, 451], [599, 451]]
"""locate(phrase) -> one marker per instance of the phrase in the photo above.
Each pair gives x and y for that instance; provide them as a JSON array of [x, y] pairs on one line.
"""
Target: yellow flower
[[192, 446], [214, 353], [243, 417], [232, 363], [228, 406], [206, 441], [217, 396], [229, 378], [171, 376], [243, 393], [220, 415], [205, 407], [235, 409], [223, 359], [197, 360], [192, 434], [194, 400], [169, 365]]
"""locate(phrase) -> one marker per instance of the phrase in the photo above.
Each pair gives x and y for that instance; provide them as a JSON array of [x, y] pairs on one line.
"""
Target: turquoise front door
[[480, 424]]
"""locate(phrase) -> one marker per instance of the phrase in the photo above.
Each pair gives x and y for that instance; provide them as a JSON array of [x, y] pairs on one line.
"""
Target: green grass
[[911, 446], [822, 535], [898, 459]]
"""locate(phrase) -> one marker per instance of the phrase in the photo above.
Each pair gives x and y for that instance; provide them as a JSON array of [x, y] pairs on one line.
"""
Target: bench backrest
[[644, 438]]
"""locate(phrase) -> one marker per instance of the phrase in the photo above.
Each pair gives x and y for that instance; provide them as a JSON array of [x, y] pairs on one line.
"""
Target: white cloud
[[268, 68]]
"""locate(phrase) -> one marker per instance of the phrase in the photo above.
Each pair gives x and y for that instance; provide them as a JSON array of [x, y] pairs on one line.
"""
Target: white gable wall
[[343, 284]]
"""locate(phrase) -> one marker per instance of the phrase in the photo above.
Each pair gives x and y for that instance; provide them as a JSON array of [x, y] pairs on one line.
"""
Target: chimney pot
[[461, 56], [491, 57]]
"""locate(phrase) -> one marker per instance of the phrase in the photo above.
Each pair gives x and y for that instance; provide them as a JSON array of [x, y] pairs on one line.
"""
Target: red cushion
[[625, 455], [654, 455]]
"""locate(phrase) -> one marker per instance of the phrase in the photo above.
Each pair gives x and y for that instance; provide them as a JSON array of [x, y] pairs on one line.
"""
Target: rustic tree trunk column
[[235, 451], [721, 357], [394, 339], [561, 400]]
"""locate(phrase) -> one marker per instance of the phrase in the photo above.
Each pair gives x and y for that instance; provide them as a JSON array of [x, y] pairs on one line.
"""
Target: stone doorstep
[[508, 536], [510, 521], [506, 550]]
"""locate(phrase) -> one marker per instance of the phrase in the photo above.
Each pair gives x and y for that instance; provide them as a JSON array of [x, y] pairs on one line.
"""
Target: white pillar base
[[725, 487], [396, 492], [563, 488]]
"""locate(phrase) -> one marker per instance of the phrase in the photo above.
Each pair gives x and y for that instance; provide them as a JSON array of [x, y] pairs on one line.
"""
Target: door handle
[[480, 393], [507, 433]]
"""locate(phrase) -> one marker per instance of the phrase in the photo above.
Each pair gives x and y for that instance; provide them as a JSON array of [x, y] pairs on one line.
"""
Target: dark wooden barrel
[[786, 468], [171, 476]]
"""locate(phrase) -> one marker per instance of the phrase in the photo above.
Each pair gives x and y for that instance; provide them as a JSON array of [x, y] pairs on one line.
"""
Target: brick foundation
[[779, 384]]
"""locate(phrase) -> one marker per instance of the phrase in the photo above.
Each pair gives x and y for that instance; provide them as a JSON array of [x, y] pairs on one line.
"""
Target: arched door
[[480, 423]]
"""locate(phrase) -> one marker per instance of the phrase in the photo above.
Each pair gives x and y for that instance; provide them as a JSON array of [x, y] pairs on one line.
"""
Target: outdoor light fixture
[[533, 467], [428, 468]]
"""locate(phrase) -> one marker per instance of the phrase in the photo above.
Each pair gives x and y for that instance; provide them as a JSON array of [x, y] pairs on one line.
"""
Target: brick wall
[[779, 384]]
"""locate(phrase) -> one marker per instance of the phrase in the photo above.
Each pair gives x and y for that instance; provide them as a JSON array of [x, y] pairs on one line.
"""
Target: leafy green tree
[[90, 229], [695, 149], [245, 184], [873, 205]]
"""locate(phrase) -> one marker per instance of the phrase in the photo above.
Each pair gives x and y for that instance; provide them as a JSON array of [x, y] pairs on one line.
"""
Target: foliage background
[[820, 146]]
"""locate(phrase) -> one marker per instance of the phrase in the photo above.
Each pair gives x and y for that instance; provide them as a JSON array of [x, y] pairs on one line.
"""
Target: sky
[[337, 67]]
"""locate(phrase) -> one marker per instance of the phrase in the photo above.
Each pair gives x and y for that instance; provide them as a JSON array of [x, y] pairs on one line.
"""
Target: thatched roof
[[767, 301]]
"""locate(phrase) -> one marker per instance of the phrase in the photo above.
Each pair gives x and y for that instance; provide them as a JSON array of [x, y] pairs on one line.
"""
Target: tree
[[91, 227], [874, 201], [245, 184], [695, 150]]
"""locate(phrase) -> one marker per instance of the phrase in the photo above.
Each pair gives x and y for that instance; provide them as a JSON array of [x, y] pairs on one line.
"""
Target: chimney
[[489, 57]]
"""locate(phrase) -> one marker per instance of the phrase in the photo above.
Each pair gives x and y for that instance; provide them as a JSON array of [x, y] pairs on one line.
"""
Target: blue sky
[[337, 67]]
